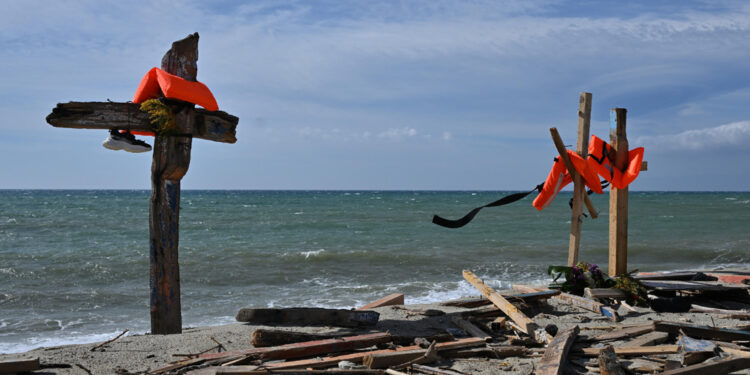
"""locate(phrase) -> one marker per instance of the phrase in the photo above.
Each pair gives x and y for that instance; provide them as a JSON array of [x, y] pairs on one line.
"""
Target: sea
[[74, 264]]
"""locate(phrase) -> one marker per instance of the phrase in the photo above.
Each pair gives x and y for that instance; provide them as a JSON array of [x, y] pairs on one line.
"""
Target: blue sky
[[386, 95]]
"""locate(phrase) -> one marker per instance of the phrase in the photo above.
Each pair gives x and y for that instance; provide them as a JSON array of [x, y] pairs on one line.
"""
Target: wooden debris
[[608, 364], [308, 316], [487, 352], [470, 328], [642, 365], [109, 341], [527, 326], [255, 370], [723, 366], [651, 338], [674, 285], [498, 323], [730, 314], [19, 365], [700, 332], [626, 332], [393, 299], [555, 356], [273, 337], [588, 304], [385, 360], [434, 371], [695, 351], [686, 276], [635, 350]]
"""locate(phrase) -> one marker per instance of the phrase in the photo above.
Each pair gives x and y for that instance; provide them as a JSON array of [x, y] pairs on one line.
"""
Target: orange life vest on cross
[[158, 83], [599, 153], [559, 177]]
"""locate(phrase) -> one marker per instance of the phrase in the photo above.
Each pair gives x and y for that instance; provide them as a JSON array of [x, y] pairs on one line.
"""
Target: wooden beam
[[554, 357], [271, 337], [701, 332], [613, 293], [579, 185], [470, 328], [13, 366], [618, 198], [723, 366], [390, 300], [216, 126], [526, 324], [639, 350], [651, 338], [626, 332], [314, 316], [382, 360], [560, 145]]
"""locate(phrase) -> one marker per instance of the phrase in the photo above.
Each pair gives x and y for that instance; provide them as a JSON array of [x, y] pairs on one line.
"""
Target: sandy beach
[[144, 353]]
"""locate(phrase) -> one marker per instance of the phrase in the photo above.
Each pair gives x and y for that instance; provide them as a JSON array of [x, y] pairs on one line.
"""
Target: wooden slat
[[305, 316], [470, 328], [390, 300], [216, 126], [723, 366], [604, 293], [618, 198], [626, 332], [526, 324], [556, 354], [19, 365], [702, 332], [651, 338], [640, 350]]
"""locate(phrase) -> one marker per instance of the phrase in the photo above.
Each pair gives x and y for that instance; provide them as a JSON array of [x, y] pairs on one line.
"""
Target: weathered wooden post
[[618, 198], [579, 187], [171, 159]]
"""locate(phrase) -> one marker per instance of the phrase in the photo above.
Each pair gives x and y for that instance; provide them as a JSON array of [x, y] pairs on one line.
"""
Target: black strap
[[468, 217]]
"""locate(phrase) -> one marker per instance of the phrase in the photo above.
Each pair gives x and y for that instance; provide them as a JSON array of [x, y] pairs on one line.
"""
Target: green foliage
[[161, 117], [636, 293]]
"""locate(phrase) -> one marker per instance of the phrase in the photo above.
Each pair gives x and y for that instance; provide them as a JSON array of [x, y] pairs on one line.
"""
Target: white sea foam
[[312, 253], [59, 339]]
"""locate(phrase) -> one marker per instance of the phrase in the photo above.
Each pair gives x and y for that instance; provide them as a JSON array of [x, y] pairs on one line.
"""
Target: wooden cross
[[171, 159]]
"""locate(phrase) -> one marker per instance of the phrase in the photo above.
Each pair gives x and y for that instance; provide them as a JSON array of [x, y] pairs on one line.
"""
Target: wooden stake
[[527, 326], [579, 186], [556, 354], [618, 198]]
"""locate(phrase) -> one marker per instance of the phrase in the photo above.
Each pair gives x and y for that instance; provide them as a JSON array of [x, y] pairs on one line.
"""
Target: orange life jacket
[[559, 177], [599, 153]]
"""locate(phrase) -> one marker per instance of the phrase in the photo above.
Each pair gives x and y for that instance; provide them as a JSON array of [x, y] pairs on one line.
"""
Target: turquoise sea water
[[74, 264]]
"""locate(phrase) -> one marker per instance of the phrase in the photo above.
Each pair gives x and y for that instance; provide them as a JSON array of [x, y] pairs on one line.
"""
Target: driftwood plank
[[626, 332], [523, 297], [308, 316], [216, 126], [526, 324], [701, 332], [270, 337], [393, 299], [613, 293], [470, 328], [19, 365], [640, 350], [651, 338], [556, 354], [382, 360], [723, 366]]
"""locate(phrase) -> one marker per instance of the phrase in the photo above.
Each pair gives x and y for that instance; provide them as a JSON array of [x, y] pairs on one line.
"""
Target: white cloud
[[734, 135], [398, 135], [447, 136]]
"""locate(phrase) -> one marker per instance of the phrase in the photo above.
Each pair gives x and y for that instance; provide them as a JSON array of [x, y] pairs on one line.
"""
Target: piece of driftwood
[[358, 357], [391, 300], [470, 328], [702, 332], [675, 285], [434, 370], [376, 360], [631, 331], [109, 341], [308, 316], [642, 365], [529, 297], [730, 314], [651, 338], [256, 370], [589, 305], [19, 365], [428, 357], [554, 357], [487, 352], [723, 366], [695, 351], [635, 350], [498, 323], [526, 324], [604, 293], [684, 276], [608, 364], [273, 337]]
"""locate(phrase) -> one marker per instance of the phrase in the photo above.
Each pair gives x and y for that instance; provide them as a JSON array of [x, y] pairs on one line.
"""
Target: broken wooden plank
[[256, 370], [527, 326], [434, 370], [695, 351], [486, 352], [358, 357], [626, 332], [651, 338], [498, 323], [732, 314], [308, 316], [608, 364], [382, 360], [613, 293], [639, 350], [684, 276], [556, 354], [674, 285], [702, 332], [723, 366], [482, 301], [19, 365], [470, 328], [390, 300], [590, 305], [642, 365], [273, 337]]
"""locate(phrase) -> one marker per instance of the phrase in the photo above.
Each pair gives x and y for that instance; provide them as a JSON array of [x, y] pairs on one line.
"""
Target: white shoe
[[125, 141]]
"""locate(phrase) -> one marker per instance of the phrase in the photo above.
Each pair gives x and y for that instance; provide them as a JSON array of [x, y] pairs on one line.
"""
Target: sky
[[377, 95]]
